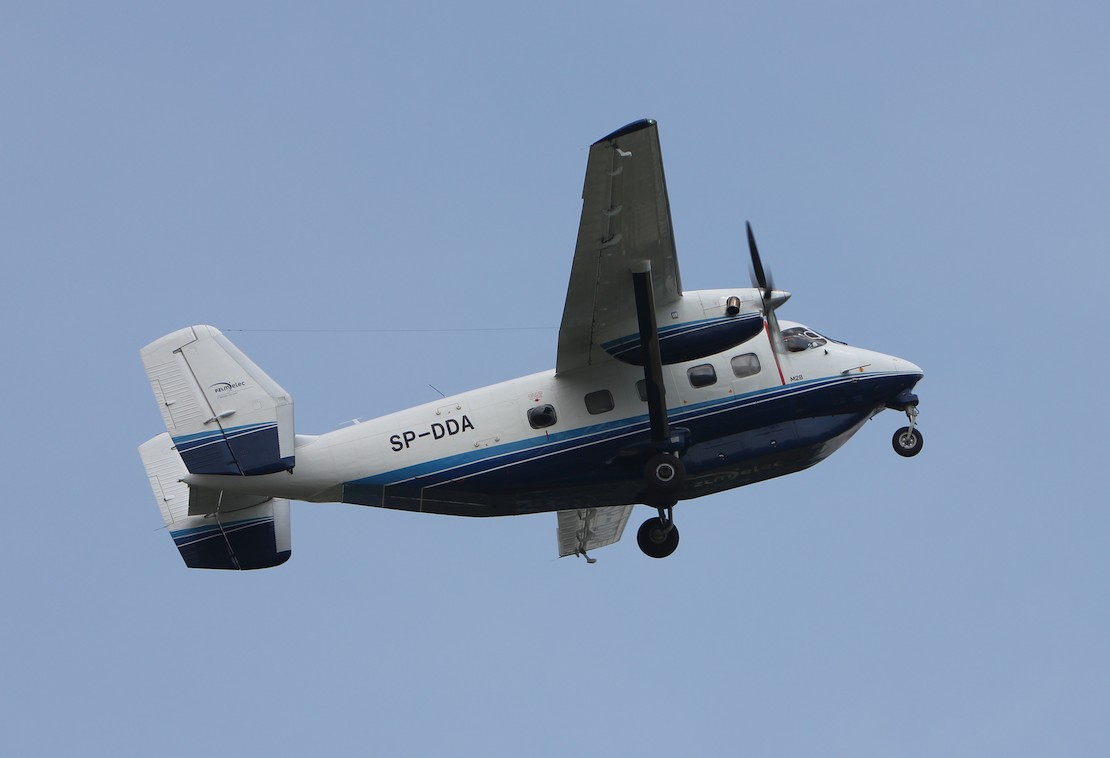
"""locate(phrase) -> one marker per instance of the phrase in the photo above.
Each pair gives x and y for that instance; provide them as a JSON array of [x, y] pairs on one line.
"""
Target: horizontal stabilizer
[[239, 532], [203, 501], [226, 416]]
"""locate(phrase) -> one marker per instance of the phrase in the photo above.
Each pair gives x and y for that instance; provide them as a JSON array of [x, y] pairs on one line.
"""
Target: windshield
[[799, 339]]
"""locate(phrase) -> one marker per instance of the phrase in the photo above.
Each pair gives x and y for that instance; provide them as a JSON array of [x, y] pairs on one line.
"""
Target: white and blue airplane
[[658, 396]]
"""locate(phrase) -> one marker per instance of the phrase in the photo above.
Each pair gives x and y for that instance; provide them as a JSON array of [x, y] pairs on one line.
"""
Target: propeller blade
[[759, 276], [763, 281], [777, 343]]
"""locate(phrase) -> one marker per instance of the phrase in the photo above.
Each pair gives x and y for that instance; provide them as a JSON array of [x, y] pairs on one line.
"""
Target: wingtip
[[635, 126]]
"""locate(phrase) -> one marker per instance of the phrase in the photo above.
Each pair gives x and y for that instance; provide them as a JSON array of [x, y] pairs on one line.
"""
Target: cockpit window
[[799, 339]]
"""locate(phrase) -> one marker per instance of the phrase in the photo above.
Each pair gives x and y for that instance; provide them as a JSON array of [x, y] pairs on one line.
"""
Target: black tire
[[654, 541], [906, 443], [665, 474]]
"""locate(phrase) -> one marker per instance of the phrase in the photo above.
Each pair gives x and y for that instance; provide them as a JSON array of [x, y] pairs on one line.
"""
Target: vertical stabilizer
[[231, 537], [225, 415]]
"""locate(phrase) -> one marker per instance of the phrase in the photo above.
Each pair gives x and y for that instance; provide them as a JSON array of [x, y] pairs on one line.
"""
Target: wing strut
[[649, 340], [664, 473]]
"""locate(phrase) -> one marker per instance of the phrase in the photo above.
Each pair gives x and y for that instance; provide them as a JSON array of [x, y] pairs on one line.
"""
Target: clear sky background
[[930, 182]]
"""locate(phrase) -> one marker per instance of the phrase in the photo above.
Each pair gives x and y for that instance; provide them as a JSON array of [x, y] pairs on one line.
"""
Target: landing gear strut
[[664, 473], [907, 440], [658, 537]]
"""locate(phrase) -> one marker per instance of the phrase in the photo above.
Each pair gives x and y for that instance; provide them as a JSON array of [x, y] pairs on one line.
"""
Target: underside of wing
[[626, 219], [590, 528]]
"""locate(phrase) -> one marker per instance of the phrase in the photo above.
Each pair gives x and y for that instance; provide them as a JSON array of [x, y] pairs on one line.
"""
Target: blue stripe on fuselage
[[477, 462]]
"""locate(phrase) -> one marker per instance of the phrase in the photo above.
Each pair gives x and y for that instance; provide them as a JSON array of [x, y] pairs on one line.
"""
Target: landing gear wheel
[[665, 474], [907, 442], [655, 539]]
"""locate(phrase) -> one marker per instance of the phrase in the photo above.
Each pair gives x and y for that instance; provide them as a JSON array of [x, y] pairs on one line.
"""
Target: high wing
[[626, 218], [590, 528]]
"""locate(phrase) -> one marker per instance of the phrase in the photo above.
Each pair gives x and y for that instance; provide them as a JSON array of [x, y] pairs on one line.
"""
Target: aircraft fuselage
[[740, 415]]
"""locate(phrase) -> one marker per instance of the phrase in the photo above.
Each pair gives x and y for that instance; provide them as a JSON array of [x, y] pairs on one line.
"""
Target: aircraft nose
[[903, 366]]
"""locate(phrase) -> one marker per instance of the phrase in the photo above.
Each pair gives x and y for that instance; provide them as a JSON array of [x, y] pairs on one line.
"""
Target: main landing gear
[[664, 475], [658, 537], [907, 440]]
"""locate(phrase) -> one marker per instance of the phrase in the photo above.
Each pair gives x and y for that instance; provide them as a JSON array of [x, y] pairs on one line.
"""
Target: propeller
[[762, 280]]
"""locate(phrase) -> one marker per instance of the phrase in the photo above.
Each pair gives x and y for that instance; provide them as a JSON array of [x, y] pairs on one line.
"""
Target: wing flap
[[584, 529]]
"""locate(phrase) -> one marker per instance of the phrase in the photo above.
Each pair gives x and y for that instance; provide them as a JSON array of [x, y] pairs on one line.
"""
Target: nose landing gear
[[907, 440]]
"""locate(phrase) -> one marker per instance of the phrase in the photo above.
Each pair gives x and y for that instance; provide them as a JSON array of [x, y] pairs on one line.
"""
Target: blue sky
[[930, 182]]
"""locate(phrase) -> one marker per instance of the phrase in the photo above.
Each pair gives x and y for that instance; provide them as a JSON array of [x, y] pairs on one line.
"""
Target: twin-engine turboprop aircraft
[[658, 396]]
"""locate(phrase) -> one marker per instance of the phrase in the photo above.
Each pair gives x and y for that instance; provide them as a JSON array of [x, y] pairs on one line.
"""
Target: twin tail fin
[[214, 529], [224, 414]]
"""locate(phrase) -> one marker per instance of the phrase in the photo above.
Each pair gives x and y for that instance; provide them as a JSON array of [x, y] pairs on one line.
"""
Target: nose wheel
[[907, 440], [658, 537]]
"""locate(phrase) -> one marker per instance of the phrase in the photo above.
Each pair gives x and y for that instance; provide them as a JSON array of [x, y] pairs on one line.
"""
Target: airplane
[[658, 396]]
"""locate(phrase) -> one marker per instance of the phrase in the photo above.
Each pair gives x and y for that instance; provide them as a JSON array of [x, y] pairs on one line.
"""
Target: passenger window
[[541, 416], [641, 390], [745, 365], [702, 376], [599, 402]]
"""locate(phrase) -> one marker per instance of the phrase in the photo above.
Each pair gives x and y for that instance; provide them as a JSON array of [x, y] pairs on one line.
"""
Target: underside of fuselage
[[731, 442]]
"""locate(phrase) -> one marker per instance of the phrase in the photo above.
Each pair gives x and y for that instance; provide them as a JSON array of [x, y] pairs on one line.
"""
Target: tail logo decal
[[224, 387]]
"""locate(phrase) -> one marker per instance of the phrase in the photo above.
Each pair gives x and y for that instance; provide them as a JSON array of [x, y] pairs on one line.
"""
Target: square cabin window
[[641, 390], [745, 365], [599, 402], [702, 376]]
